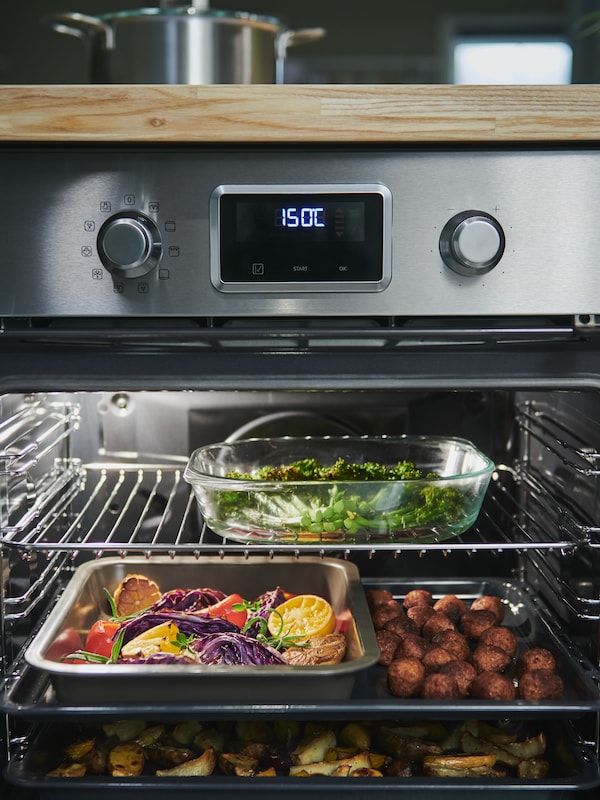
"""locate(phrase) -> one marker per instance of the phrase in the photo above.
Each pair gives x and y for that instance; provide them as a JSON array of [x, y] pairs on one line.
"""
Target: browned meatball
[[450, 605], [438, 686], [384, 612], [405, 677], [453, 641], [401, 626], [418, 597], [434, 659], [463, 673], [378, 597], [419, 614], [502, 637], [488, 602], [436, 624], [413, 646], [474, 623], [535, 658], [541, 684], [493, 686], [388, 642], [487, 658]]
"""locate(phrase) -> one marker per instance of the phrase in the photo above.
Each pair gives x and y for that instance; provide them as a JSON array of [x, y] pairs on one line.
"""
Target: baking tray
[[83, 602], [573, 767], [531, 621]]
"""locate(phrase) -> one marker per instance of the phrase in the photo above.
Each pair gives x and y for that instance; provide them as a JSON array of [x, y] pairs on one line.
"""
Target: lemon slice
[[304, 615]]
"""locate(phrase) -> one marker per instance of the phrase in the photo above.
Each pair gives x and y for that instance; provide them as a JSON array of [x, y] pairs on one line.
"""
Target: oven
[[159, 298]]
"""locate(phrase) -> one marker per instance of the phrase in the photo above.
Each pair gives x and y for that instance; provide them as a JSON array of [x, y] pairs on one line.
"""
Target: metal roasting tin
[[84, 601], [573, 768]]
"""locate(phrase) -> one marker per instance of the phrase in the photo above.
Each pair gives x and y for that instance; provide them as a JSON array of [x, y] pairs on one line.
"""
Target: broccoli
[[344, 509]]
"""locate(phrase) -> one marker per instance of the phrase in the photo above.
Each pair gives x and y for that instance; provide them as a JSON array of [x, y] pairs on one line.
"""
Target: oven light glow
[[303, 217]]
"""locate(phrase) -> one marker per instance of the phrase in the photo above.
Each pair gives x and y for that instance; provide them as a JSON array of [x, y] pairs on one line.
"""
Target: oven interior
[[89, 474]]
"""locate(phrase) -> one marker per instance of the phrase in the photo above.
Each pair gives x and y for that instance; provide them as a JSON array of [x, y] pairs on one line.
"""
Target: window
[[477, 60], [506, 48]]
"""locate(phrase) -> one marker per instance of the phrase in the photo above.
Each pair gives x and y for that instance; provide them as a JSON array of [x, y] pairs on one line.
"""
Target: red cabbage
[[266, 603], [188, 599], [234, 648], [188, 624]]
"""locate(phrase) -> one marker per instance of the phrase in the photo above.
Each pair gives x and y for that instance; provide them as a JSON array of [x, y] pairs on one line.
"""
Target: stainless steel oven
[[158, 298]]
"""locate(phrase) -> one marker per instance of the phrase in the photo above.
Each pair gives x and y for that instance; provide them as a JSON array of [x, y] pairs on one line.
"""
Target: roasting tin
[[572, 767], [84, 601]]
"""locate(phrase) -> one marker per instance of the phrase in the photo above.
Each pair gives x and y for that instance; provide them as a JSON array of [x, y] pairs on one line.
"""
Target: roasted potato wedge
[[313, 750], [126, 760], [342, 767], [202, 766]]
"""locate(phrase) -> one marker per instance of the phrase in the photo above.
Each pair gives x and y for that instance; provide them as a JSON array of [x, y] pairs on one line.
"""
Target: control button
[[472, 243], [129, 245]]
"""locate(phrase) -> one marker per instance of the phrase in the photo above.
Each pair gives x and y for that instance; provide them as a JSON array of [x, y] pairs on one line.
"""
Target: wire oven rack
[[57, 507]]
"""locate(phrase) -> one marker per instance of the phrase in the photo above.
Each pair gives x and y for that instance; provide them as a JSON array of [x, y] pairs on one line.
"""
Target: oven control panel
[[298, 238], [321, 231]]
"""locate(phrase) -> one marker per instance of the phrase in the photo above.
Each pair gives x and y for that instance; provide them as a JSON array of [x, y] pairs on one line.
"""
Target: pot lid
[[185, 12]]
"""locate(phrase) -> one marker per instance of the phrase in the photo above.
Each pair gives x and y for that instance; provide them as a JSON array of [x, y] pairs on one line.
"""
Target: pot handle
[[288, 39], [302, 36], [80, 25]]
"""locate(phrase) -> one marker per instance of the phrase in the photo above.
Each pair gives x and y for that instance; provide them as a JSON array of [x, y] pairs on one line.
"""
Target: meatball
[[419, 614], [438, 686], [401, 626], [450, 605], [453, 641], [535, 658], [463, 673], [436, 624], [388, 642], [384, 612], [487, 658], [501, 637], [378, 597], [413, 646], [405, 677], [474, 623], [541, 684], [493, 686], [418, 597], [434, 659], [488, 602]]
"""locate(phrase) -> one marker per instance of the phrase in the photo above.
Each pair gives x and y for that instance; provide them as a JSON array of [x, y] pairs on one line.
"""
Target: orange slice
[[304, 615]]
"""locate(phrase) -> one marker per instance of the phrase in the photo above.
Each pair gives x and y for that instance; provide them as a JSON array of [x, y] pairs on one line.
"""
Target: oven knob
[[129, 244], [472, 243]]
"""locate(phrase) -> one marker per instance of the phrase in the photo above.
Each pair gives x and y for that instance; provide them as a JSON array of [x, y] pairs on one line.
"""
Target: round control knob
[[472, 243], [129, 244]]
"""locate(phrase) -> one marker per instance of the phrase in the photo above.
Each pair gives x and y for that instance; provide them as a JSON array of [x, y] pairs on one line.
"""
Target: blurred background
[[380, 41]]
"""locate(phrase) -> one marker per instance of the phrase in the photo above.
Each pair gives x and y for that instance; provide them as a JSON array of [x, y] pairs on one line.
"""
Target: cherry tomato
[[67, 641], [224, 608], [100, 637]]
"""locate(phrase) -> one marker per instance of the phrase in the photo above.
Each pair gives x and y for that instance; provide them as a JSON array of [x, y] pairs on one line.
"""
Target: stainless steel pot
[[185, 44]]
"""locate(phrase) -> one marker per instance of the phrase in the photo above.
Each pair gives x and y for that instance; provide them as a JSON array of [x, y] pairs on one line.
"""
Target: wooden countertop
[[300, 113]]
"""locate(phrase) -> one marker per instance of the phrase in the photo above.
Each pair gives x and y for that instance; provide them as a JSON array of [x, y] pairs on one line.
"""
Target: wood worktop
[[300, 113]]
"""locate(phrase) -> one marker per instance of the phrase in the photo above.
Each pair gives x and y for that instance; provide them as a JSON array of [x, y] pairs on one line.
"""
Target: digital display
[[294, 238], [299, 218]]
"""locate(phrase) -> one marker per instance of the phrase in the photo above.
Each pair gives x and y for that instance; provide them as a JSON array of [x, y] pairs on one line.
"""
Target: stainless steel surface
[[183, 44], [61, 198], [83, 602]]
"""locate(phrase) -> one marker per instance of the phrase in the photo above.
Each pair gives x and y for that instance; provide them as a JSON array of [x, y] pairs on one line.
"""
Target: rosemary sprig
[[279, 641]]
